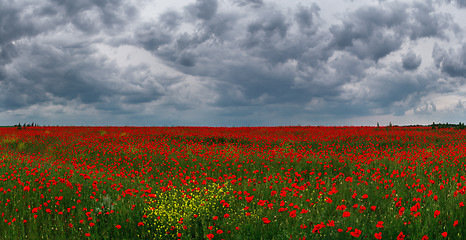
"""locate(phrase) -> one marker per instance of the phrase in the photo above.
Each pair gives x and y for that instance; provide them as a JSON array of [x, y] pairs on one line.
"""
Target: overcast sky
[[232, 62]]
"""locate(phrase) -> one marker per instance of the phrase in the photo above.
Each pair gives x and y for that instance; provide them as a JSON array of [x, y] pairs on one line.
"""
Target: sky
[[232, 62]]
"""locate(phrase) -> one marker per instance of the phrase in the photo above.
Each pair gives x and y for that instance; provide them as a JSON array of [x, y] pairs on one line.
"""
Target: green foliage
[[459, 126]]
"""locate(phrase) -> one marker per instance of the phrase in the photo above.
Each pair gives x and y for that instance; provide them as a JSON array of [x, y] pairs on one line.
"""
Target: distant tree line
[[460, 125], [24, 126]]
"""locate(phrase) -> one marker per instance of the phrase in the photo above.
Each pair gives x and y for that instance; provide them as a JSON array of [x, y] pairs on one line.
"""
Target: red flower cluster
[[303, 181]]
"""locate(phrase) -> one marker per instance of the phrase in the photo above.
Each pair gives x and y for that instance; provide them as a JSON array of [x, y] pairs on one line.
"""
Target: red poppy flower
[[401, 211], [318, 227], [400, 236], [356, 233], [379, 224], [331, 223], [266, 220]]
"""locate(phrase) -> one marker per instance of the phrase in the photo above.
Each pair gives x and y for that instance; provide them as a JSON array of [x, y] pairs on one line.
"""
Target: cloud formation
[[451, 62], [231, 60], [411, 61]]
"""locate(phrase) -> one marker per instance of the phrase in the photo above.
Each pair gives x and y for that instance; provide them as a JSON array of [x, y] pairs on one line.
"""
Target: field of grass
[[232, 183]]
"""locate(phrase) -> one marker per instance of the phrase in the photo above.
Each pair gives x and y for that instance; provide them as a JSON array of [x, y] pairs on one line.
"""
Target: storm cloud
[[451, 61], [209, 62], [411, 61]]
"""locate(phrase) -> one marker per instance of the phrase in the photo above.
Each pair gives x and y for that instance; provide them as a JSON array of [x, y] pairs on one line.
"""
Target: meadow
[[232, 183]]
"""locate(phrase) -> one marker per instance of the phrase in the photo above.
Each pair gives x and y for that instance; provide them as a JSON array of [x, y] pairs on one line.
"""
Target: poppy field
[[232, 183]]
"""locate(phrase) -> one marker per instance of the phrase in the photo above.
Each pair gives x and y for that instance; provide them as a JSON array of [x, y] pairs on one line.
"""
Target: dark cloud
[[272, 58], [25, 20], [170, 20], [367, 33], [411, 61], [327, 80], [267, 27], [247, 58], [18, 21], [451, 62], [182, 48], [48, 72], [14, 24], [52, 75], [139, 86], [395, 87], [151, 37], [459, 3], [3, 74], [203, 9], [253, 84], [395, 92], [220, 28], [376, 46], [49, 62], [21, 19], [267, 37], [376, 31], [428, 23], [7, 52], [186, 59], [306, 18], [94, 16]]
